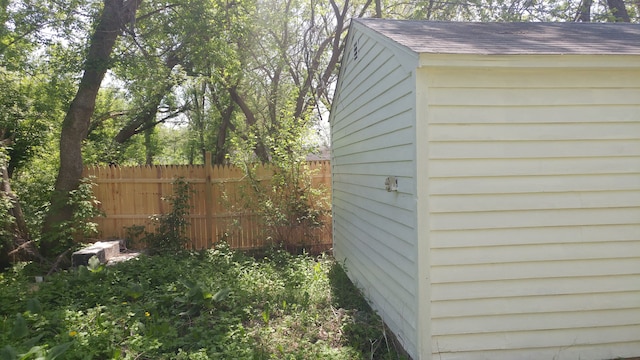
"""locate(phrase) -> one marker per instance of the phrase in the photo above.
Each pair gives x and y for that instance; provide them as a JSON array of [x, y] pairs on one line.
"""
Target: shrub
[[85, 208], [291, 209], [170, 233]]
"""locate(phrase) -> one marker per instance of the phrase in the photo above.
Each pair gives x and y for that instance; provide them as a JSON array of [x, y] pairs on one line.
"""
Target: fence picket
[[131, 195]]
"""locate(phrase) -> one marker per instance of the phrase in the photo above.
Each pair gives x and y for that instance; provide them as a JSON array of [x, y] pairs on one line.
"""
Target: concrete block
[[103, 250]]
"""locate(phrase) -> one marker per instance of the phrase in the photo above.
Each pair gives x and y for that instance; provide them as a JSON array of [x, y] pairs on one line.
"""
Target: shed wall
[[534, 209], [373, 136]]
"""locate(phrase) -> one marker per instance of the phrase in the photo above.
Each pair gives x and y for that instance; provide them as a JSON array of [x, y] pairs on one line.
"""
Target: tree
[[22, 132], [115, 15], [180, 43], [618, 11], [508, 10], [30, 99], [292, 60]]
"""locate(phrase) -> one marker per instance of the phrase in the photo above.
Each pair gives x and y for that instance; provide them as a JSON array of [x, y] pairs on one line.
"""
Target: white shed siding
[[373, 136], [534, 206]]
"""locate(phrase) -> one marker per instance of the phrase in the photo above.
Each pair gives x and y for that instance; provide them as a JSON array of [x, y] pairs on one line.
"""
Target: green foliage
[[288, 205], [33, 185], [205, 305], [32, 98], [26, 347], [497, 10], [34, 351], [94, 265], [365, 339], [109, 117], [170, 233], [85, 208], [133, 234], [6, 219]]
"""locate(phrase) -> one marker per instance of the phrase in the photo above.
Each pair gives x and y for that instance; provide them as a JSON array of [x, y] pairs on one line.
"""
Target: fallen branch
[[59, 259]]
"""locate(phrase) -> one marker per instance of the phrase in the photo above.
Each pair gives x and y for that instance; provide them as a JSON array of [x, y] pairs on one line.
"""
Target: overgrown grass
[[218, 304]]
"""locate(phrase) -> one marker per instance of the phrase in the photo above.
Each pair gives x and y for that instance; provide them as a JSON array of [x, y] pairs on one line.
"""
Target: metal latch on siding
[[391, 183]]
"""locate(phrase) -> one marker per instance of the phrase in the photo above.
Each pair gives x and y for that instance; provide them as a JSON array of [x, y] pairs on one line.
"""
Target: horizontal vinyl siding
[[622, 341], [536, 235], [373, 136], [534, 182], [535, 114]]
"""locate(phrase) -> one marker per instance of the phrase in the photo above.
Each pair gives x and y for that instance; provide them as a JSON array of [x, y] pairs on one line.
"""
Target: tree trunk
[[226, 109], [149, 148], [260, 150], [378, 9], [584, 11], [115, 14], [618, 10], [18, 228], [221, 139]]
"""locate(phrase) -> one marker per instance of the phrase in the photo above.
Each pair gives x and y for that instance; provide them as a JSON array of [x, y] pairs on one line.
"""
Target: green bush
[[290, 208], [85, 207], [170, 233]]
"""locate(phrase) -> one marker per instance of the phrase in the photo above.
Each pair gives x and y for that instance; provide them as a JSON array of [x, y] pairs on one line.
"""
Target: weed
[[191, 305], [292, 209], [67, 234], [170, 235]]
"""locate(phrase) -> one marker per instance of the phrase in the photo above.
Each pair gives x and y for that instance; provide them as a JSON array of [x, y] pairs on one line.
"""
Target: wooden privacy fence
[[129, 196]]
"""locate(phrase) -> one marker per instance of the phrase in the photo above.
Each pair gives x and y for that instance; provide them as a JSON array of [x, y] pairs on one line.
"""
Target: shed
[[486, 185]]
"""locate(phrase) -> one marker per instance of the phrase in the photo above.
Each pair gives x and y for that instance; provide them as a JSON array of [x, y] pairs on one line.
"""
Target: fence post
[[208, 201]]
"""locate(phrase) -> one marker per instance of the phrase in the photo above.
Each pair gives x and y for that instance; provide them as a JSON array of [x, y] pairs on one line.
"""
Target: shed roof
[[510, 38]]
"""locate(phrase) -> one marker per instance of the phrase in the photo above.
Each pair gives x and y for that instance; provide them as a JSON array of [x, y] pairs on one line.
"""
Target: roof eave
[[536, 60]]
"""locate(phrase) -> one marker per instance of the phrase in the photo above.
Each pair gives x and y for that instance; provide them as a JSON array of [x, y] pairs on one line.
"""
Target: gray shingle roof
[[510, 38]]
